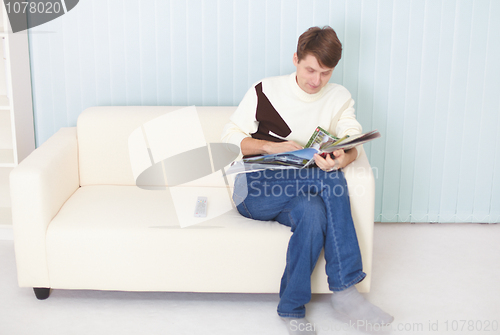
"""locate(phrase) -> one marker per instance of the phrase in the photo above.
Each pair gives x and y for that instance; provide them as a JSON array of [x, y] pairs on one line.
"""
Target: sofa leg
[[41, 293]]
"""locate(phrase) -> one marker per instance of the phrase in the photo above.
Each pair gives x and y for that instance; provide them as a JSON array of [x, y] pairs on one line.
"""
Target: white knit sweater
[[302, 112]]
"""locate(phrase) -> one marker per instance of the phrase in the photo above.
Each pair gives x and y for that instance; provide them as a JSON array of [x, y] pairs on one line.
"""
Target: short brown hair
[[322, 43]]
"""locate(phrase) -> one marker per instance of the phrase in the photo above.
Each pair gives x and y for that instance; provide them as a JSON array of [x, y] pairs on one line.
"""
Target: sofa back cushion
[[126, 145]]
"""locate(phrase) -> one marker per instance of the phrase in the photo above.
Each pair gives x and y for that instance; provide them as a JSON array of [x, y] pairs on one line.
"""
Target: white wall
[[426, 73]]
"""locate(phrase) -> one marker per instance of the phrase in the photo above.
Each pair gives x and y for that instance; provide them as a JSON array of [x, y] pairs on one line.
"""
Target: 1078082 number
[[33, 7]]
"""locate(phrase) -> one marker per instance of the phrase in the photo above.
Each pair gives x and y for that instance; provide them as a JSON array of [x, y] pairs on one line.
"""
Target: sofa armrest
[[39, 186], [361, 182]]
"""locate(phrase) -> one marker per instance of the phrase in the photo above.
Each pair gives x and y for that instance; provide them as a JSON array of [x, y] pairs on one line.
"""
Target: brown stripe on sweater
[[269, 119]]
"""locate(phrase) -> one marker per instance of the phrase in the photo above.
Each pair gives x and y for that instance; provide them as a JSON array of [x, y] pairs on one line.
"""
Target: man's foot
[[299, 326], [352, 304]]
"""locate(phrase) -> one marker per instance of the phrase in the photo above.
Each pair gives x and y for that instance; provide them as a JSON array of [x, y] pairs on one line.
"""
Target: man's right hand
[[252, 146], [279, 147]]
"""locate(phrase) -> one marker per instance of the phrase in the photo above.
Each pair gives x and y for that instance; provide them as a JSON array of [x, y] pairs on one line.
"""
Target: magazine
[[321, 142]]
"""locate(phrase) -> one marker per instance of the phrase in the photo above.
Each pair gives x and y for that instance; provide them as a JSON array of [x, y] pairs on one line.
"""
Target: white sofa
[[81, 222]]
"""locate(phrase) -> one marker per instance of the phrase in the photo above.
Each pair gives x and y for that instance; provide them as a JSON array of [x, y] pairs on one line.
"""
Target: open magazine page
[[293, 159], [324, 142], [351, 141], [241, 166], [319, 138]]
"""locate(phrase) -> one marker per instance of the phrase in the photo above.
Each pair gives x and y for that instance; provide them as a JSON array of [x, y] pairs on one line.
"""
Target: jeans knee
[[313, 214]]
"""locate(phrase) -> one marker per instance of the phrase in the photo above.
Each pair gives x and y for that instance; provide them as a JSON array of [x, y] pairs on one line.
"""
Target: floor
[[434, 279]]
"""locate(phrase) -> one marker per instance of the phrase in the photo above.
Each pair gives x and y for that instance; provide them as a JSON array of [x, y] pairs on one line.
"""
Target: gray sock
[[351, 303], [299, 326]]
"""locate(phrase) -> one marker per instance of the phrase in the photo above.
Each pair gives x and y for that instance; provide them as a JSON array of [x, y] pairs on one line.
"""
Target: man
[[277, 115]]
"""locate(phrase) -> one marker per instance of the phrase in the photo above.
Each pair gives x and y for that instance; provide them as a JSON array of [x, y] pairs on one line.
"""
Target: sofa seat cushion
[[111, 237]]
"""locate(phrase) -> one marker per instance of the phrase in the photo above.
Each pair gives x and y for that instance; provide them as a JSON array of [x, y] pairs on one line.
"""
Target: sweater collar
[[301, 94]]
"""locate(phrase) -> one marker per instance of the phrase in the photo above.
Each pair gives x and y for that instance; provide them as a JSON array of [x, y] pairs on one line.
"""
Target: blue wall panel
[[423, 72]]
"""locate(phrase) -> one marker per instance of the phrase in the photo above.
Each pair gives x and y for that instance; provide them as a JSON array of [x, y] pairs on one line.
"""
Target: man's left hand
[[340, 160]]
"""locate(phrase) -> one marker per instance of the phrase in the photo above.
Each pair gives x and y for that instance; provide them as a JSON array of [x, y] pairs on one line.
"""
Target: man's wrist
[[266, 147], [352, 154], [253, 146]]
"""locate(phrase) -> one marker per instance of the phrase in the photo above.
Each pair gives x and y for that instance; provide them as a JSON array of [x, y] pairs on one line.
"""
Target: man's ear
[[295, 59]]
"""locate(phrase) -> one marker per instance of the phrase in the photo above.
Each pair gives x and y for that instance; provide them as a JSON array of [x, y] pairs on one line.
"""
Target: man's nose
[[316, 79]]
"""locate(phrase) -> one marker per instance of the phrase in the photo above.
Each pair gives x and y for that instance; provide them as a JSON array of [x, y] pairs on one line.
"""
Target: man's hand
[[252, 146], [341, 160], [279, 147]]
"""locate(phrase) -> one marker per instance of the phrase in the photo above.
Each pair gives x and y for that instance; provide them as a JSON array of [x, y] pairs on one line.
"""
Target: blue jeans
[[315, 205]]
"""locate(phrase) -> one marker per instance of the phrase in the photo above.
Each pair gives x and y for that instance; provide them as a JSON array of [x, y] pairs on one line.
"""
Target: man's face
[[311, 77]]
